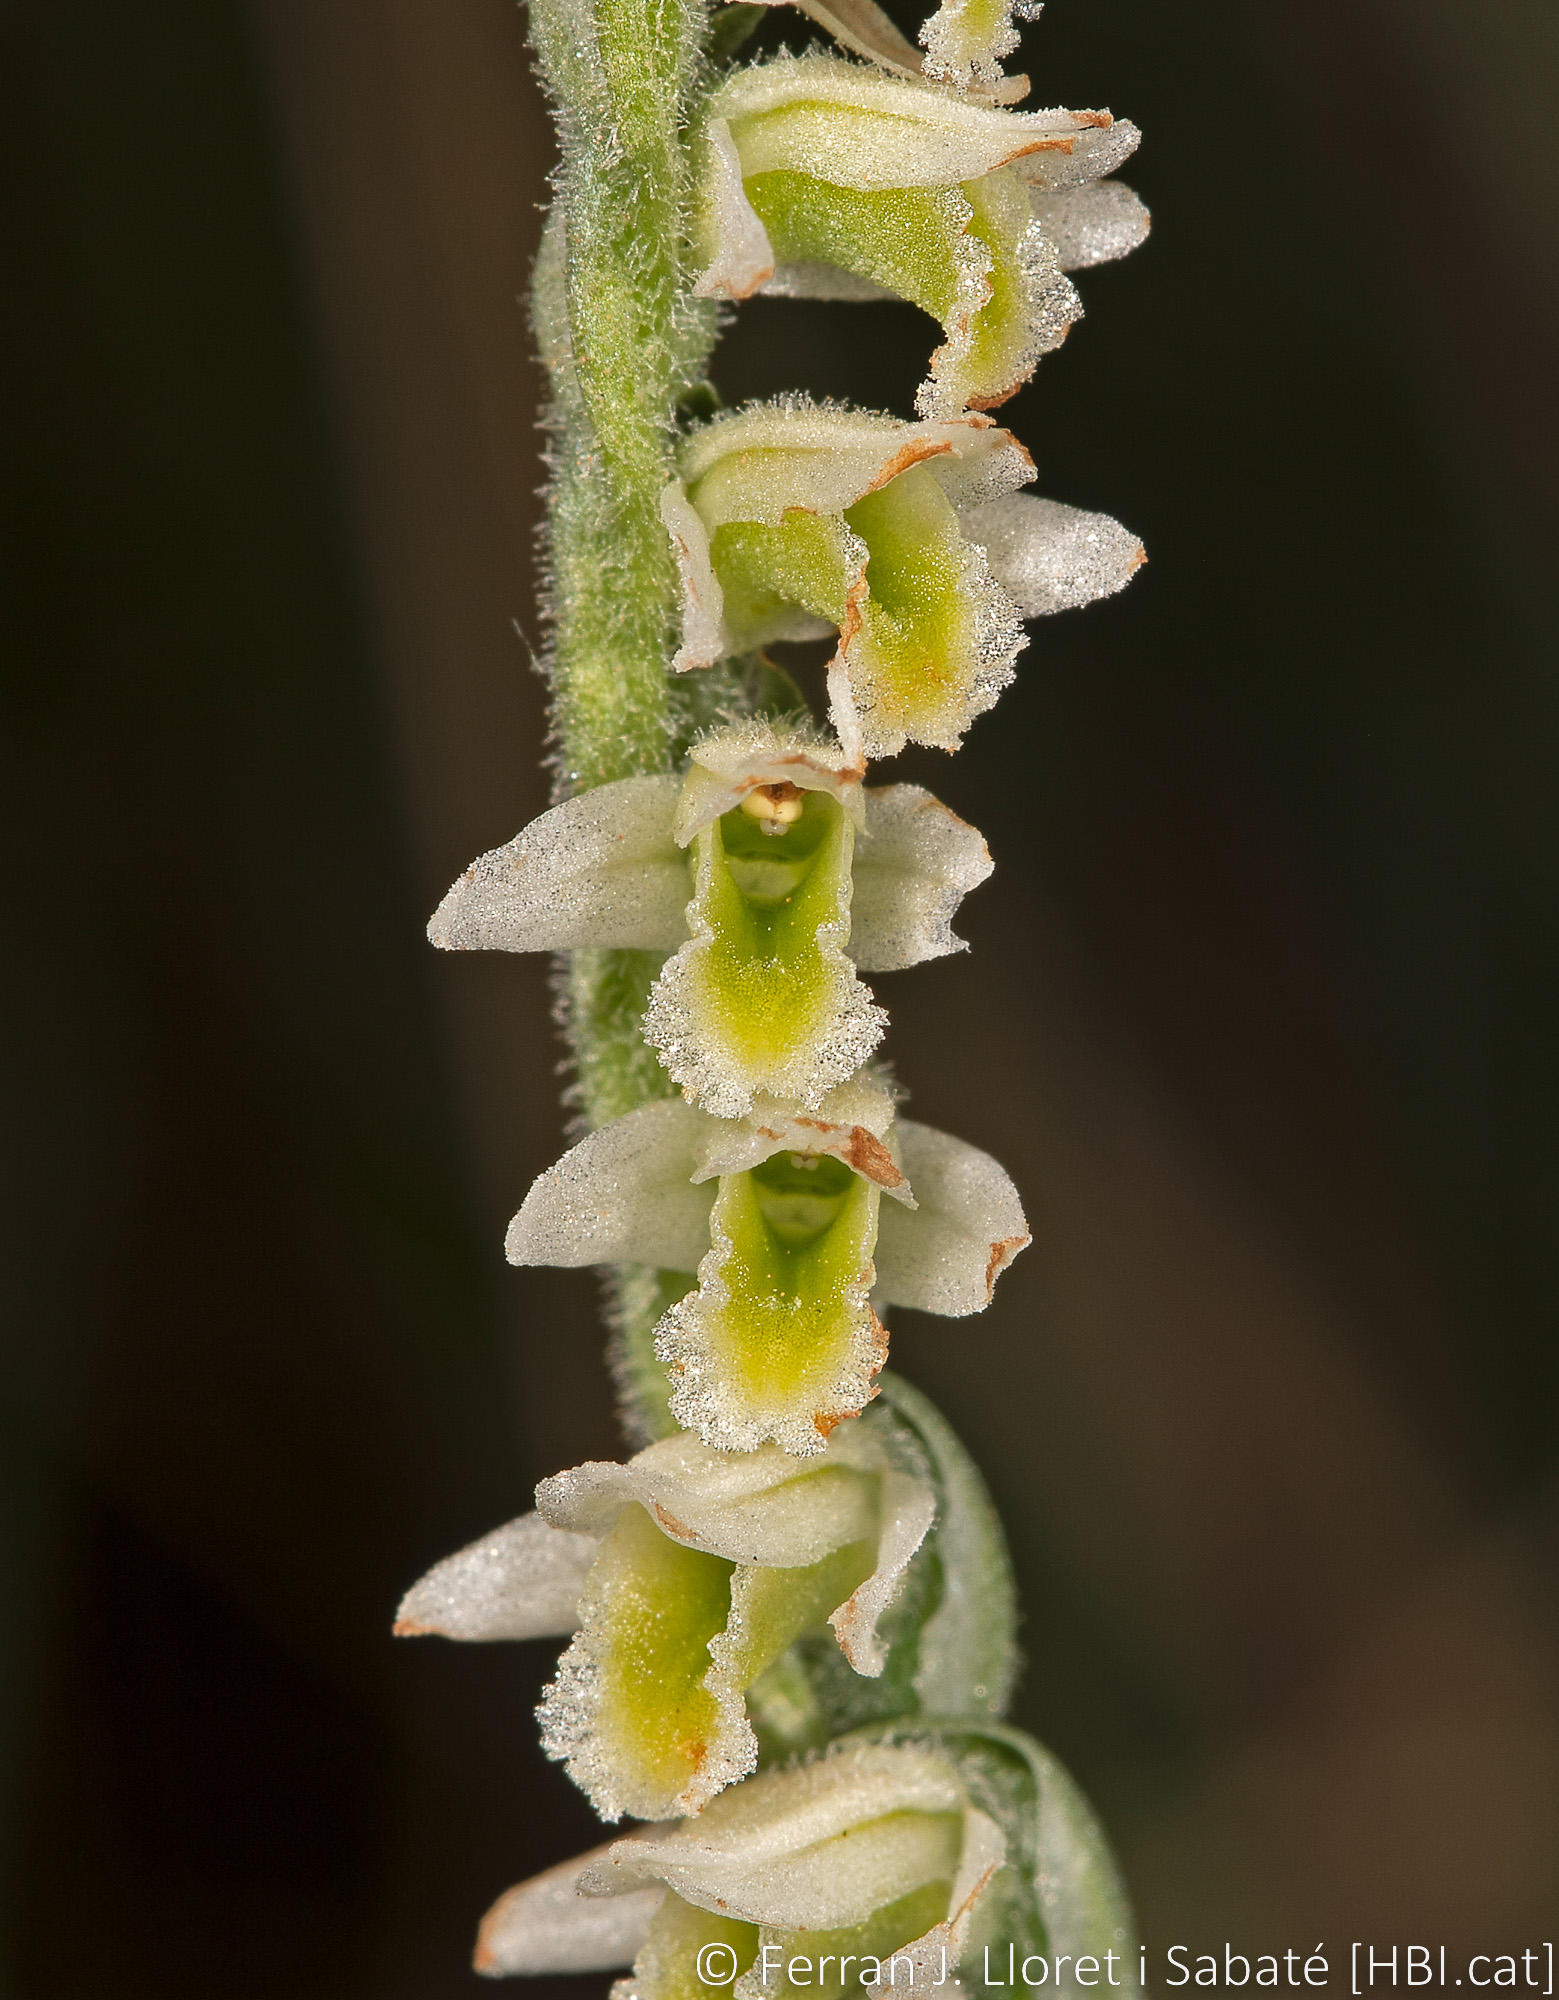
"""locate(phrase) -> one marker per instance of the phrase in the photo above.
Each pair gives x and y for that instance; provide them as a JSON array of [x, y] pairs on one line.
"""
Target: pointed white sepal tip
[[549, 1925], [1094, 224], [947, 1256], [1049, 557], [520, 1582], [916, 865], [600, 869]]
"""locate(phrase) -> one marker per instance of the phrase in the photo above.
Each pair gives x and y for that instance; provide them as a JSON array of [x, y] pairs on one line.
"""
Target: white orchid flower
[[780, 1216], [907, 539], [821, 175], [798, 877], [893, 1862], [683, 1575]]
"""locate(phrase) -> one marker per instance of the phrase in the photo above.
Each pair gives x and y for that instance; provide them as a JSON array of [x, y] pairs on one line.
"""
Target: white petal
[[731, 762], [852, 1123], [752, 1507], [600, 869], [1092, 225], [764, 461], [548, 1925], [770, 1851], [741, 255], [703, 601], [910, 136], [624, 1195], [947, 1256], [1094, 155], [984, 1851], [908, 1507], [520, 1582], [914, 868], [1049, 557]]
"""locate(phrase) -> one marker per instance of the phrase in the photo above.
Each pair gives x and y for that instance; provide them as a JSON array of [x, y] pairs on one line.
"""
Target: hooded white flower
[[821, 176], [907, 539], [780, 1216], [900, 1845], [684, 1575], [799, 876]]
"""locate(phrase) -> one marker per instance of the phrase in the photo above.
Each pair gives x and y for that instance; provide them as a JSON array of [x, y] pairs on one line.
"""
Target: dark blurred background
[[1261, 1012]]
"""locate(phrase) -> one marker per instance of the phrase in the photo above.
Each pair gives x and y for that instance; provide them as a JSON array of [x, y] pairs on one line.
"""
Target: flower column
[[790, 1614]]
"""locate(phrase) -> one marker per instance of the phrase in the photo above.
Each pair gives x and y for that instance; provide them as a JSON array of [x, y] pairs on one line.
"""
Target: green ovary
[[767, 980], [801, 1239], [915, 242]]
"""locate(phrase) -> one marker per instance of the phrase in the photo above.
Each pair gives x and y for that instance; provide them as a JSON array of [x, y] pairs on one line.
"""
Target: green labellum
[[762, 997], [780, 1341], [649, 1611], [915, 636], [957, 252]]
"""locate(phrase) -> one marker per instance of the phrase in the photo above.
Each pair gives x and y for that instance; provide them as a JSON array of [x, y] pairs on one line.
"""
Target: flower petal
[[908, 1508], [965, 39], [753, 1507], [779, 1341], [1049, 557], [932, 645], [599, 869], [915, 867], [1092, 155], [857, 128], [1089, 225], [548, 1925], [630, 1711], [703, 602], [767, 460], [813, 1848], [520, 1582], [624, 1195], [709, 1567], [732, 763], [762, 1000], [852, 1124], [947, 1256], [735, 241]]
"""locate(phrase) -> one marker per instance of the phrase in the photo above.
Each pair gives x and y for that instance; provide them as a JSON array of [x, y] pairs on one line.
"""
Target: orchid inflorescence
[[789, 1615]]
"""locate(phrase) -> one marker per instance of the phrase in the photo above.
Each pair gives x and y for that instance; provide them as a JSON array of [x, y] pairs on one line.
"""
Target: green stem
[[622, 341]]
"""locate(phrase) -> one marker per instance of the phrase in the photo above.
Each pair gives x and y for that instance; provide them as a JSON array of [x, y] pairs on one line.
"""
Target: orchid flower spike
[[824, 179], [699, 1588], [791, 520], [781, 1217], [901, 1855]]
